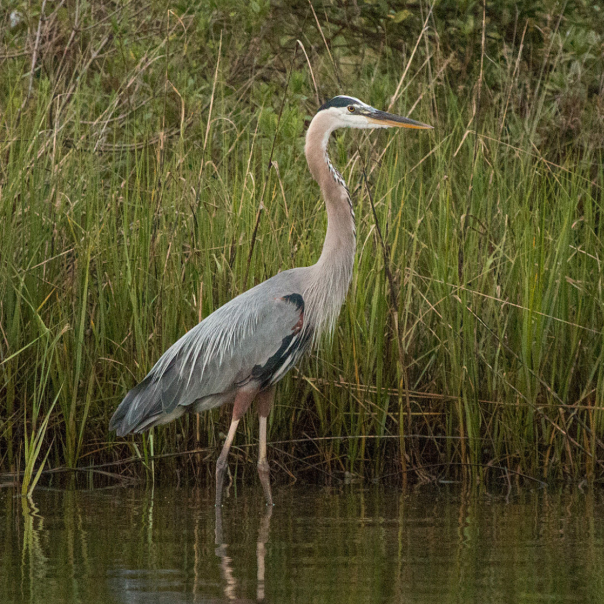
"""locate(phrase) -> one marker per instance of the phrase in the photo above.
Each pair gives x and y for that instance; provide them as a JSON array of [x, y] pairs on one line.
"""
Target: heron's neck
[[333, 271]]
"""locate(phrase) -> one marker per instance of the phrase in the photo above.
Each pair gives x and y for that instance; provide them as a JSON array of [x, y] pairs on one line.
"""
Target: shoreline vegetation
[[152, 168]]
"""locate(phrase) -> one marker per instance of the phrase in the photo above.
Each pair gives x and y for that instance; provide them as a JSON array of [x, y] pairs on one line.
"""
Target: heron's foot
[[264, 474], [219, 539], [221, 467]]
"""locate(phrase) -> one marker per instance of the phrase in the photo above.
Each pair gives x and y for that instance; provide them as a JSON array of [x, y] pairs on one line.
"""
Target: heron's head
[[348, 112]]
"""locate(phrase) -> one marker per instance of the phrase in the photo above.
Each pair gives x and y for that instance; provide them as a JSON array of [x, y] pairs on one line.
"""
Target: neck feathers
[[333, 272]]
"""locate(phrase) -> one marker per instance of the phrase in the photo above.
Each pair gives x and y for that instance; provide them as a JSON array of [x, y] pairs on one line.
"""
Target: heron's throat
[[333, 271], [341, 235]]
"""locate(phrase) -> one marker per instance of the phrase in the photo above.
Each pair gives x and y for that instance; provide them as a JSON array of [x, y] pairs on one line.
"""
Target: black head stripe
[[339, 101]]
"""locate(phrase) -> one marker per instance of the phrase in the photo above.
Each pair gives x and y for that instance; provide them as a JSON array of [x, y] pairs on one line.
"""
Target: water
[[432, 545]]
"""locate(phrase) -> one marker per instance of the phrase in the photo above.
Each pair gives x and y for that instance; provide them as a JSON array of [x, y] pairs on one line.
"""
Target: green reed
[[128, 210]]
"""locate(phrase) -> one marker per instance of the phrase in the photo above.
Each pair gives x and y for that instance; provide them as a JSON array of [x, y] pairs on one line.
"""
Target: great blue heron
[[239, 352]]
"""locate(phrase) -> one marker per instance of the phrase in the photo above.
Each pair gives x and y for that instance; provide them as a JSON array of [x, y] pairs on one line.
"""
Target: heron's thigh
[[264, 401], [243, 400]]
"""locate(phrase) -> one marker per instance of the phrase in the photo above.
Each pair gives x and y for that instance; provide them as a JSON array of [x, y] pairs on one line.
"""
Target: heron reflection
[[226, 562]]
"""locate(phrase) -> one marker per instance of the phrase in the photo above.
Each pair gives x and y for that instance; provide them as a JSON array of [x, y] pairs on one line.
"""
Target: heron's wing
[[256, 337], [242, 341]]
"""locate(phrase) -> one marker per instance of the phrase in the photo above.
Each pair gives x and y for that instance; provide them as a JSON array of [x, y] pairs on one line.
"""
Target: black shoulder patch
[[295, 299], [338, 101]]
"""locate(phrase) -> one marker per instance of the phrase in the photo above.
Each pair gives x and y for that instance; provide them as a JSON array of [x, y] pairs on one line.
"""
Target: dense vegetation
[[137, 194]]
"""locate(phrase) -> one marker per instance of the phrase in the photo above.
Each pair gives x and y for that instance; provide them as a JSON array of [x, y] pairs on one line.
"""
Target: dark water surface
[[430, 545]]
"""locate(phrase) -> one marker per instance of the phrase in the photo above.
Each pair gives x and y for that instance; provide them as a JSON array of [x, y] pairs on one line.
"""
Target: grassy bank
[[136, 197]]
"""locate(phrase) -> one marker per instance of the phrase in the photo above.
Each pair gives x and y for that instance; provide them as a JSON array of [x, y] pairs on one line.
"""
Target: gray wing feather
[[214, 357]]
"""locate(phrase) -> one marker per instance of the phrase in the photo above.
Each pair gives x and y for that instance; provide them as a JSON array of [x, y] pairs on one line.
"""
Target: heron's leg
[[221, 464], [263, 467], [243, 400], [264, 402]]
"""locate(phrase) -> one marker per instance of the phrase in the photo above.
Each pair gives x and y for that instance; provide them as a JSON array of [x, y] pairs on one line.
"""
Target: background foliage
[[136, 196]]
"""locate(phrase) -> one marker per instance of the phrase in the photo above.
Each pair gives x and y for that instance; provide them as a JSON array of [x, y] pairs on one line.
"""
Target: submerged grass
[[136, 197]]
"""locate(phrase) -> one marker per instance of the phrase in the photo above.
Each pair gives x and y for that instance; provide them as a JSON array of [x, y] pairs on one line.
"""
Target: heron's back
[[255, 338]]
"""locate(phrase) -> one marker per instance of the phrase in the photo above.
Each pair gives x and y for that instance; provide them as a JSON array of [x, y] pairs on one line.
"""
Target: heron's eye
[[351, 108]]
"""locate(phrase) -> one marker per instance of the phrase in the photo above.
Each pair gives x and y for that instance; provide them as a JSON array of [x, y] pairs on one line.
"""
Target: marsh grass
[[137, 197]]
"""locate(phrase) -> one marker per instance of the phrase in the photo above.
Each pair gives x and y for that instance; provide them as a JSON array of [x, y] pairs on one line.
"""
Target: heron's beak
[[382, 118]]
